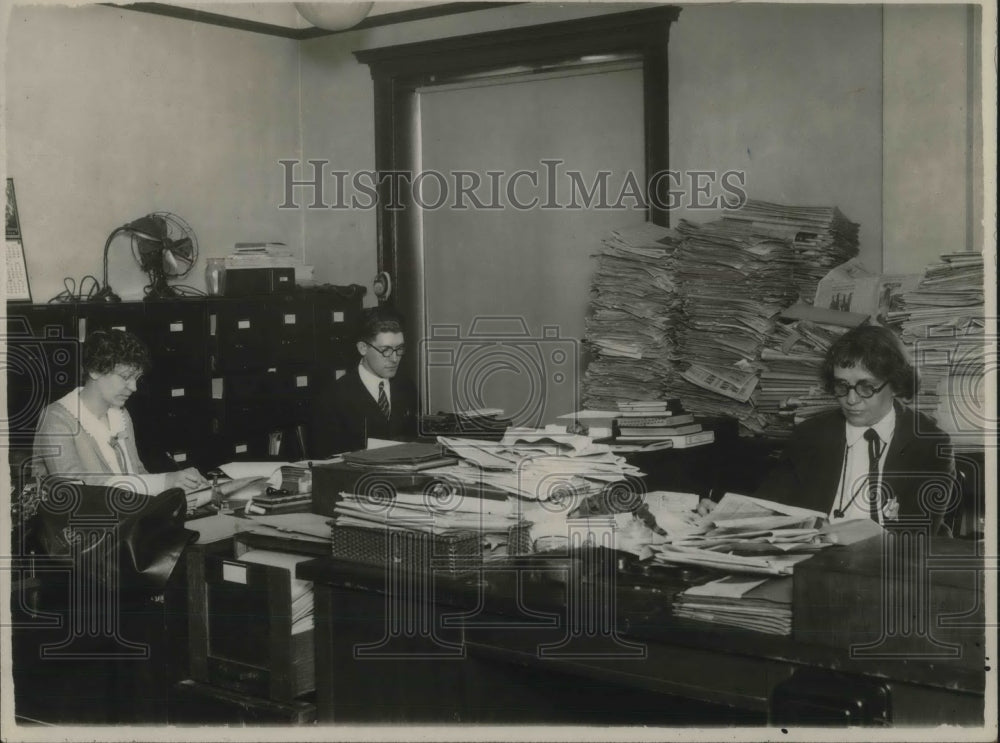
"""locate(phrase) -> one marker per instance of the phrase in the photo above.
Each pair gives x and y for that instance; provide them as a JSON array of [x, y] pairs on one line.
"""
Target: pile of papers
[[943, 323], [821, 236], [791, 389], [742, 535], [630, 324], [302, 590], [538, 464], [685, 313], [758, 604], [735, 274]]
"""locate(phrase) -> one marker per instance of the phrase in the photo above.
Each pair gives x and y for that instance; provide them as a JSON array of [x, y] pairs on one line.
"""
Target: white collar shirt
[[852, 499]]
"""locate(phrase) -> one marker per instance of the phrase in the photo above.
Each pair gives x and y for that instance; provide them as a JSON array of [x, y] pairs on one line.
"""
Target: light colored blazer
[[64, 446]]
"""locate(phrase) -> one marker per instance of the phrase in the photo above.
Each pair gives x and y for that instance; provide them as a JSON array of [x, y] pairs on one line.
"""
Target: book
[[653, 420], [682, 441], [645, 431]]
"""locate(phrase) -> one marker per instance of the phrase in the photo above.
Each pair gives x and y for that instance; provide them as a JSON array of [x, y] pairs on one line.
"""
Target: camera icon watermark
[[499, 365], [39, 367], [959, 370]]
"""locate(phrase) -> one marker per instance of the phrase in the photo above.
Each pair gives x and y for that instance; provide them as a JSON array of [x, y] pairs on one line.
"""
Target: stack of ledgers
[[943, 323], [735, 275], [630, 325], [647, 422]]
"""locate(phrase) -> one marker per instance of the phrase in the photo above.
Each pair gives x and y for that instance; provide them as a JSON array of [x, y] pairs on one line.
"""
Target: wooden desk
[[498, 648]]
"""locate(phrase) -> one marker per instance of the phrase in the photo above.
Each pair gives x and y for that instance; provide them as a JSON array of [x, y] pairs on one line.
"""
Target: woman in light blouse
[[88, 435]]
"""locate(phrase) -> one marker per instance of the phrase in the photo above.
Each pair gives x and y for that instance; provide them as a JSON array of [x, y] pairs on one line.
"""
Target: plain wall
[[928, 164], [790, 95], [112, 114]]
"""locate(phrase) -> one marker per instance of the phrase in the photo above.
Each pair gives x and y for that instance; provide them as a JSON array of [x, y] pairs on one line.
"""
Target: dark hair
[[104, 350], [878, 350], [375, 320]]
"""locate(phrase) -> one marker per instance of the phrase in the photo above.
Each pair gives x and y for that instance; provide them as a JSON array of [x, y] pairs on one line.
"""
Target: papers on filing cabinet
[[759, 604]]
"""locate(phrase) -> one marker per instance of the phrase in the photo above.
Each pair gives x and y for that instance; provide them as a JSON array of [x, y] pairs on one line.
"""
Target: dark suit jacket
[[916, 466], [346, 416]]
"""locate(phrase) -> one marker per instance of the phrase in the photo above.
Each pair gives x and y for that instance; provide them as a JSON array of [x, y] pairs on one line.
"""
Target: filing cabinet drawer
[[175, 332], [237, 446], [240, 335], [292, 329], [174, 403], [94, 317]]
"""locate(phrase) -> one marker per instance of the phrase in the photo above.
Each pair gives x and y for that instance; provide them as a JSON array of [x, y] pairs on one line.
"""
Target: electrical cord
[[70, 294]]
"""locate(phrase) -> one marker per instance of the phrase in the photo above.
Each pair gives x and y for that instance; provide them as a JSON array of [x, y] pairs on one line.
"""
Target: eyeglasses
[[864, 388], [389, 351], [129, 376]]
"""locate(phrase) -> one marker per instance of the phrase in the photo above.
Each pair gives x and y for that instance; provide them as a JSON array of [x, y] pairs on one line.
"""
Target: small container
[[215, 276]]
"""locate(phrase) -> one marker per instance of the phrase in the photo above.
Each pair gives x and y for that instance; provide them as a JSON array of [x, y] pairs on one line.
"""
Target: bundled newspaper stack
[[943, 323], [791, 389], [736, 278], [821, 236], [735, 275], [630, 328]]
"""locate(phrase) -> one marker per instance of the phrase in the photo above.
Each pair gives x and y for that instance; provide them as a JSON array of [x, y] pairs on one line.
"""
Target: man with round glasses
[[370, 400], [874, 457]]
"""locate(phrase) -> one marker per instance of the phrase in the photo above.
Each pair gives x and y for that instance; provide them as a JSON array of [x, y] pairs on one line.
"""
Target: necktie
[[874, 452], [383, 401], [119, 449]]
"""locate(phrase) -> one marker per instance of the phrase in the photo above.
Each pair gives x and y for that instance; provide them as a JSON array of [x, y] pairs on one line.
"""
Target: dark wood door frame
[[398, 71]]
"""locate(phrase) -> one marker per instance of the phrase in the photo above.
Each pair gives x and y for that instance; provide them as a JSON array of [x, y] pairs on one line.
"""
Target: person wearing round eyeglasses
[[874, 457], [370, 400], [88, 434]]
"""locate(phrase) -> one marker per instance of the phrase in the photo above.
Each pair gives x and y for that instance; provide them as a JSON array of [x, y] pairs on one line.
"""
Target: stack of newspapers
[[630, 330], [943, 323], [735, 275]]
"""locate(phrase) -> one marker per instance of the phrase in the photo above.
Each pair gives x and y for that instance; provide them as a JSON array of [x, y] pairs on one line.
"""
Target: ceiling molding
[[300, 34]]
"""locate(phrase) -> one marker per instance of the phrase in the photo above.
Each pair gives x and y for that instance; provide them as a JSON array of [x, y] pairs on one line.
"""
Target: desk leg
[[323, 637]]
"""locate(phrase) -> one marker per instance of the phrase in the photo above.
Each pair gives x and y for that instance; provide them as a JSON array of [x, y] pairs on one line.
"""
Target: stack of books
[[659, 421], [296, 479]]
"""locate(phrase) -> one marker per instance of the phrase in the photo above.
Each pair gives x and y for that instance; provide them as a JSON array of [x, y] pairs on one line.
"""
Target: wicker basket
[[456, 553]]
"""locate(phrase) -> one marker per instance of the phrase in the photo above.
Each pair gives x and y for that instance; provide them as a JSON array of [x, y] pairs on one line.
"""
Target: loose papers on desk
[[746, 535]]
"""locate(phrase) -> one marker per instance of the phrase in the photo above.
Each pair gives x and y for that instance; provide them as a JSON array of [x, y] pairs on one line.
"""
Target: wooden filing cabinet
[[226, 372]]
